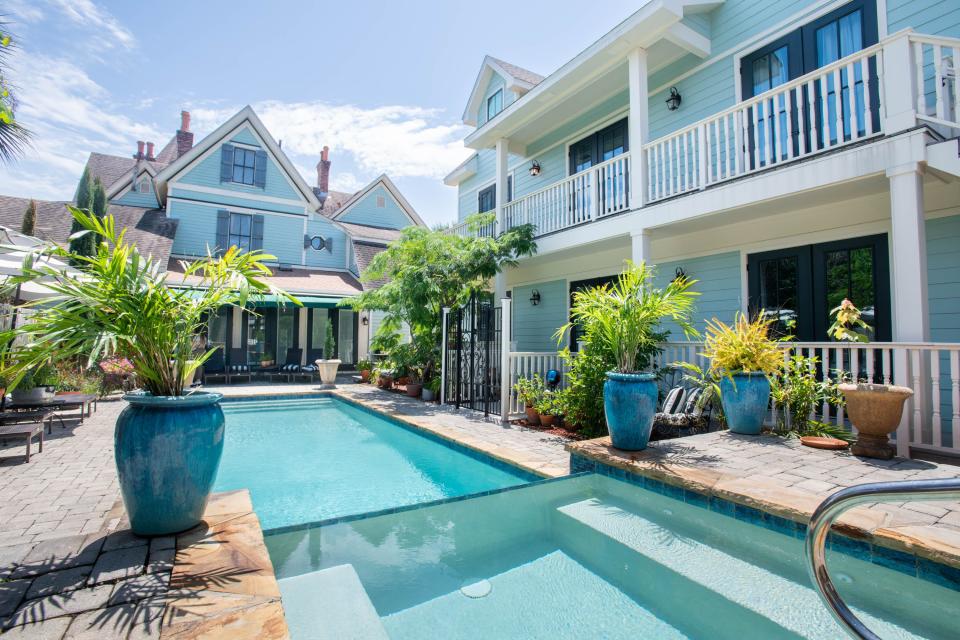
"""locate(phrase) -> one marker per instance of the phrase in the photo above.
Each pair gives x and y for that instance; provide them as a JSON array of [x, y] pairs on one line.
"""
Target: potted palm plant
[[622, 321], [118, 303], [329, 364], [744, 357]]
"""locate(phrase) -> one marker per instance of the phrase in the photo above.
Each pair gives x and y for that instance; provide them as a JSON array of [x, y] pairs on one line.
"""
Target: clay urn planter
[[875, 410], [414, 389], [547, 420], [533, 418], [365, 375]]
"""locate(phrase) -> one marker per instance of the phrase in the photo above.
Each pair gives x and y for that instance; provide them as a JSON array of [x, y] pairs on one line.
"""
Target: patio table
[[82, 401]]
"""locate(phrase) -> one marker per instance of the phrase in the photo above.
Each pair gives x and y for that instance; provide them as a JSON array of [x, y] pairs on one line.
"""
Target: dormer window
[[244, 165], [495, 104], [144, 186]]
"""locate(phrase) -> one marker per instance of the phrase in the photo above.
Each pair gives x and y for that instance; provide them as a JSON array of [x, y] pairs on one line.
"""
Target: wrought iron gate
[[472, 375]]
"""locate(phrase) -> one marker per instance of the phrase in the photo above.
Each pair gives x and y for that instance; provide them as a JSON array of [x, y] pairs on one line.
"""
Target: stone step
[[330, 605]]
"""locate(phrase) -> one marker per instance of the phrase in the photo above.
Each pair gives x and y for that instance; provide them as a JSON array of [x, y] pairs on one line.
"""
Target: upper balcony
[[904, 81]]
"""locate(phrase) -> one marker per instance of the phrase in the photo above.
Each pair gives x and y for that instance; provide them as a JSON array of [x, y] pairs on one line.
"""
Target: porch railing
[[936, 62], [583, 197], [931, 418]]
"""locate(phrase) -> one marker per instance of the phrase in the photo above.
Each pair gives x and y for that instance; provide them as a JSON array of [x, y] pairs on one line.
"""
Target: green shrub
[[530, 390]]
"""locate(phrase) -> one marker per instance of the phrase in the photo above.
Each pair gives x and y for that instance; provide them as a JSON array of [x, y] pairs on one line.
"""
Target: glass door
[[346, 332], [780, 285], [287, 330], [317, 320]]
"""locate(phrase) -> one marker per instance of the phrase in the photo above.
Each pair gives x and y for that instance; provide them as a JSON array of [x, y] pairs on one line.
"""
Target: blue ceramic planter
[[167, 451], [629, 403], [745, 401]]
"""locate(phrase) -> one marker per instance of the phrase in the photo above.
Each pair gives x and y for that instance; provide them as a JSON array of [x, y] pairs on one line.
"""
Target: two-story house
[[236, 187], [786, 154]]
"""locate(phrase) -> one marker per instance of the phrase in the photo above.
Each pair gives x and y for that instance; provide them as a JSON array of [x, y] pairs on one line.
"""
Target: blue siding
[[468, 189], [933, 17], [138, 199], [183, 191], [334, 259], [283, 237], [943, 287], [207, 174], [366, 211], [534, 326], [495, 84], [718, 282]]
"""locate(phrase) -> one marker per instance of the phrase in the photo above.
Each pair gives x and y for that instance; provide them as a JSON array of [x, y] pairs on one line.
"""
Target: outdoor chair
[[291, 365], [238, 367], [215, 367], [682, 414]]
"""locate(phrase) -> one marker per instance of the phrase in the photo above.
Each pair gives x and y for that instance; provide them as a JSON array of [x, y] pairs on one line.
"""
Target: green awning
[[271, 300]]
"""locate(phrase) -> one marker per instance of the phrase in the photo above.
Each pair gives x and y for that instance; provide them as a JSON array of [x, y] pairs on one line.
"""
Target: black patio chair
[[291, 365], [238, 366], [215, 367]]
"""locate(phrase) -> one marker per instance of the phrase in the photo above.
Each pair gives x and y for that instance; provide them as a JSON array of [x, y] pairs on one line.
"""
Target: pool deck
[[780, 476], [70, 568]]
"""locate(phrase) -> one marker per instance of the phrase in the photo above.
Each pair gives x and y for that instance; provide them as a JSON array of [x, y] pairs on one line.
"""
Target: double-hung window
[[244, 165], [494, 104], [240, 230]]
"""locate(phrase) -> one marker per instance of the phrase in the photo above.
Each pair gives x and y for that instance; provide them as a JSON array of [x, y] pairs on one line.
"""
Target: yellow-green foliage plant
[[742, 347]]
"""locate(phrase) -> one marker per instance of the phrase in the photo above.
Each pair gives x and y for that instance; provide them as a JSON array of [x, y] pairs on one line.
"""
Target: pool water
[[312, 459], [582, 557]]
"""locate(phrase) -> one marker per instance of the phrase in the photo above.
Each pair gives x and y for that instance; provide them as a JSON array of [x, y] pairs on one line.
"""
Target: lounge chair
[[238, 367], [215, 367], [683, 413], [291, 366]]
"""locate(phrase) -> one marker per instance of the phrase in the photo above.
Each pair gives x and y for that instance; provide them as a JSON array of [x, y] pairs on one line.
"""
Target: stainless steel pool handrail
[[832, 507]]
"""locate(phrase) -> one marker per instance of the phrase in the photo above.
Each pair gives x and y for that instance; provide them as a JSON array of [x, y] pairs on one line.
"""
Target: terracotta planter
[[385, 382], [547, 421], [414, 389], [365, 375], [875, 410], [403, 381], [533, 418]]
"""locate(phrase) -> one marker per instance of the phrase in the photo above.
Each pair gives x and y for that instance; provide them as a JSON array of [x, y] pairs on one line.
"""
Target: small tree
[[329, 344], [84, 200], [29, 224]]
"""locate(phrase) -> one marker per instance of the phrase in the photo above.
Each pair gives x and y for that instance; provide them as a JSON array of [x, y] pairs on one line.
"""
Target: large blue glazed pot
[[167, 450], [745, 400], [629, 403]]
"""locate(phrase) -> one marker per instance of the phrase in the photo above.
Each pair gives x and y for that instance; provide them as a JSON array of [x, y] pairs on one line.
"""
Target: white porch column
[[911, 322], [899, 86], [502, 158], [640, 246], [506, 376], [638, 125]]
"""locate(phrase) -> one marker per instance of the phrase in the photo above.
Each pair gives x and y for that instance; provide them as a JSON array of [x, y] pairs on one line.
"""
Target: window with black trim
[[240, 230], [244, 165], [599, 146], [495, 104]]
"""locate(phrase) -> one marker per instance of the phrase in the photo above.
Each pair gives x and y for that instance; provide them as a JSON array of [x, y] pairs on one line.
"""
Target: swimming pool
[[311, 459], [586, 556]]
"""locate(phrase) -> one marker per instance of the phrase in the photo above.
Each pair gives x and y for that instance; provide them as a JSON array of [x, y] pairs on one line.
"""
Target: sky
[[383, 84]]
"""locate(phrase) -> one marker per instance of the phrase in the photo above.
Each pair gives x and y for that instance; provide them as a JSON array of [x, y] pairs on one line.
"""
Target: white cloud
[[402, 141], [87, 13], [346, 182], [22, 11]]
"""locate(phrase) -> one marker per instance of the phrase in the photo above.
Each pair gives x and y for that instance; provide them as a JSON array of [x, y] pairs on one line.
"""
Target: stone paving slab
[[780, 476]]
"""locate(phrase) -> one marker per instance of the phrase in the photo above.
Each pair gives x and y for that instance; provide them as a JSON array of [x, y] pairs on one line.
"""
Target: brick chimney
[[323, 170], [150, 152], [184, 135], [139, 154]]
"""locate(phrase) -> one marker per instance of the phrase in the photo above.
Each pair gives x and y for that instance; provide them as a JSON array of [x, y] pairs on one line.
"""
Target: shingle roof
[[169, 152], [335, 200], [295, 281], [519, 72], [111, 168], [364, 253], [371, 233], [149, 229]]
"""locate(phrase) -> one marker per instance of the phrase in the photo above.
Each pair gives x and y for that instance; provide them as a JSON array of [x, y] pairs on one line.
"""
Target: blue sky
[[382, 83]]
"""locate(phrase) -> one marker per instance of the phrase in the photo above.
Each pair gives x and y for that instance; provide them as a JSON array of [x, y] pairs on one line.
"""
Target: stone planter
[[167, 450], [629, 404], [745, 400], [328, 371], [875, 410], [414, 389], [428, 395], [533, 418]]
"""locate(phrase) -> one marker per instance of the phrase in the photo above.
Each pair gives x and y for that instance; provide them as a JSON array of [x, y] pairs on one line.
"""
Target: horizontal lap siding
[[718, 282], [184, 191], [496, 83], [943, 287], [534, 326], [196, 229], [283, 238], [934, 17], [137, 199], [390, 216], [486, 168], [334, 259]]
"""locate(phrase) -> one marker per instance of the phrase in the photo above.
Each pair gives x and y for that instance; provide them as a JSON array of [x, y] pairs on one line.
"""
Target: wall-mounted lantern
[[680, 274], [535, 298], [364, 320], [673, 102], [535, 169]]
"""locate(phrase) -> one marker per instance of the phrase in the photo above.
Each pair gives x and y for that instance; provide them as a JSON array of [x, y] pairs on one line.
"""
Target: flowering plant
[[846, 323], [116, 366]]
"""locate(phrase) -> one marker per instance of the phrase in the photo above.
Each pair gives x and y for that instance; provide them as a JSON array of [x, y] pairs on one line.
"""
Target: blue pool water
[[582, 557], [306, 460]]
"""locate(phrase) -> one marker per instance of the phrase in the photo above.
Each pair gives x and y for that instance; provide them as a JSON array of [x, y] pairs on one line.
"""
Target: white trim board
[[234, 207], [236, 194], [394, 192]]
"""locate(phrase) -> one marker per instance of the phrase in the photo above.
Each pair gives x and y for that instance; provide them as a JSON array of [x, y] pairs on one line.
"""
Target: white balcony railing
[[935, 62], [583, 197], [931, 419]]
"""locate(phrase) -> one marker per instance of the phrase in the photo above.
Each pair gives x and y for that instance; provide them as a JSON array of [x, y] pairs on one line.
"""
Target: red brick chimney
[[150, 152], [323, 170], [184, 135], [139, 154]]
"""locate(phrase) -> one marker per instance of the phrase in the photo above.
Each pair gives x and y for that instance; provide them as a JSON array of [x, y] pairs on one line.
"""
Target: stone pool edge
[[731, 495]]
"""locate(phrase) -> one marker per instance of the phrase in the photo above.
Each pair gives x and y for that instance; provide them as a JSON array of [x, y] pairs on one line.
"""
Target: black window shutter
[[306, 241], [260, 170], [226, 163], [223, 231], [256, 233], [328, 244]]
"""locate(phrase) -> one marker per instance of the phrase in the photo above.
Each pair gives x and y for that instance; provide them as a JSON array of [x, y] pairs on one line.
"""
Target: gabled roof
[[169, 152], [223, 132], [515, 78], [126, 180], [364, 253], [333, 201], [387, 183], [364, 233], [110, 168]]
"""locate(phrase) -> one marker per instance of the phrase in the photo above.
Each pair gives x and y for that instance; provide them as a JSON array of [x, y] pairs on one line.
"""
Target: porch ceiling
[[595, 75]]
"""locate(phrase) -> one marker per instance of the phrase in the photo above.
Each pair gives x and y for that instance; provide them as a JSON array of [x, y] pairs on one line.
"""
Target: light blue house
[[786, 154], [236, 187]]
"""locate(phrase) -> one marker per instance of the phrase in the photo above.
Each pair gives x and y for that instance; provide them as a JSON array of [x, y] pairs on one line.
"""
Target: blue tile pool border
[[901, 561], [413, 507]]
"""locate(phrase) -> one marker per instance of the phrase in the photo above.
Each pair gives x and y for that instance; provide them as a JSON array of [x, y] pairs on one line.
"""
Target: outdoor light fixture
[[535, 298], [673, 102], [364, 320], [680, 274], [535, 169]]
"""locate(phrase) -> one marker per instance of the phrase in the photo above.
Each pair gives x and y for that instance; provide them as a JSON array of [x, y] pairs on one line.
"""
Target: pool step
[[330, 605], [795, 609]]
